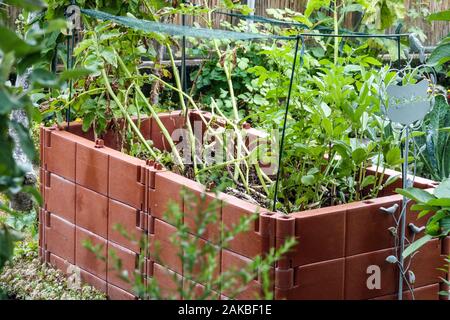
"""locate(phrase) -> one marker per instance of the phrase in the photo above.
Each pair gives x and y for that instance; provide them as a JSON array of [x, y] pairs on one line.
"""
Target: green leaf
[[74, 74], [7, 102], [373, 61], [313, 5], [44, 78], [445, 225], [422, 213], [441, 16], [328, 126], [88, 119], [10, 42], [367, 181], [109, 55], [418, 195], [5, 66], [393, 157], [440, 55], [416, 245], [27, 4], [443, 189], [359, 155], [7, 238], [83, 45], [308, 180], [442, 202]]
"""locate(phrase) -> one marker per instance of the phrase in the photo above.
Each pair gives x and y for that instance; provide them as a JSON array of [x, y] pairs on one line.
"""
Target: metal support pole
[[403, 213], [288, 101], [70, 46], [404, 200], [183, 57]]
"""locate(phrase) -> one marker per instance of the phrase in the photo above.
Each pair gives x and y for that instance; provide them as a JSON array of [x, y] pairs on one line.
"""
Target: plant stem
[[125, 114], [184, 108], [336, 31], [153, 113]]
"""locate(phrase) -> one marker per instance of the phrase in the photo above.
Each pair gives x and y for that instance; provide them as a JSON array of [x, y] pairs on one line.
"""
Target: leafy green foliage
[[433, 146], [436, 204]]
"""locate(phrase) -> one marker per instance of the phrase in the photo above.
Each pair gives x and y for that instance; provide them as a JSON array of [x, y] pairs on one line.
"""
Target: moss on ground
[[25, 277]]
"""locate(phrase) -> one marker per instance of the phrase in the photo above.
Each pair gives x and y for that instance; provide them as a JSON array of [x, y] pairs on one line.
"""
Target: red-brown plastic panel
[[92, 168], [233, 263], [317, 281], [198, 291], [92, 211], [168, 282], [59, 263], [168, 187], [115, 293], [124, 180], [430, 292], [206, 251], [59, 153], [162, 249], [247, 243], [171, 122], [60, 237], [85, 258], [128, 260], [424, 265], [199, 212], [127, 218], [367, 225], [60, 197], [320, 234], [92, 280]]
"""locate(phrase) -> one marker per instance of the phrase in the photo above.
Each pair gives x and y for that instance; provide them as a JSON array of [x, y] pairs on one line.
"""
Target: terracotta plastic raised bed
[[88, 188]]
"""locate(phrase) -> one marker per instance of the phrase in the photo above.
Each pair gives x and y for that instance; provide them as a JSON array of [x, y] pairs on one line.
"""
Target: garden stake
[[69, 58], [288, 100]]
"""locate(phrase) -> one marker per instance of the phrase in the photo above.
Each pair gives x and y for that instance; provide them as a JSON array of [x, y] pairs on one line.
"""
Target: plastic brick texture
[[92, 211], [430, 292], [59, 153], [424, 265], [167, 189], [60, 199], [318, 281], [92, 168], [124, 180], [123, 216], [60, 237], [85, 258], [128, 262], [115, 293]]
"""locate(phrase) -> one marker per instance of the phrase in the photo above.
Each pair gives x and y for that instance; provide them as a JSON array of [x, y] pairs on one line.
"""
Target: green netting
[[273, 21], [262, 19], [177, 30]]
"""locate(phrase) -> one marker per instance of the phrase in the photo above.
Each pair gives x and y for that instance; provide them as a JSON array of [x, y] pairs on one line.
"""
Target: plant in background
[[433, 142], [440, 57]]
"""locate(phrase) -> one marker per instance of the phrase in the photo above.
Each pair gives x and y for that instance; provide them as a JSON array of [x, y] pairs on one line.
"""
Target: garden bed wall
[[88, 188]]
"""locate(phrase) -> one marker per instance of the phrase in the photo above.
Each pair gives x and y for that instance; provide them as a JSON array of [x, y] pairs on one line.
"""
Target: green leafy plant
[[437, 205], [441, 54], [433, 142]]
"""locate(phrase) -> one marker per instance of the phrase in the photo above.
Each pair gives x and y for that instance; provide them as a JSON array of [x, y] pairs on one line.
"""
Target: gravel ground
[[26, 278]]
